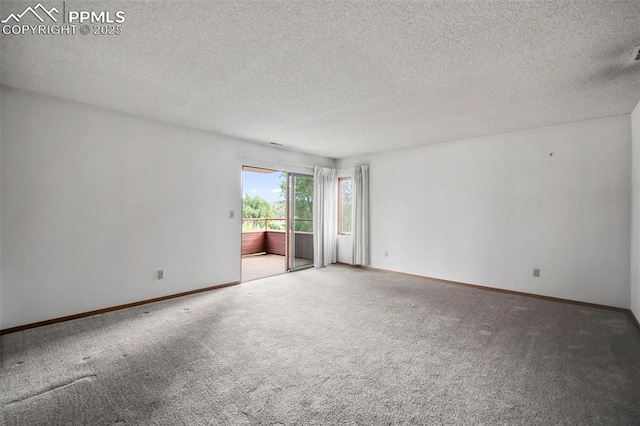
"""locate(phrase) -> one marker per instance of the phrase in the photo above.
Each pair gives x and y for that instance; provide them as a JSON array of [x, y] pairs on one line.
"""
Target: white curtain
[[325, 194], [360, 215]]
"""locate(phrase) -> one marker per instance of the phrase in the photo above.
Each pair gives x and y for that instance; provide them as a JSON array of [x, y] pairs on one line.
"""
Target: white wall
[[94, 202], [344, 249], [487, 211], [635, 225]]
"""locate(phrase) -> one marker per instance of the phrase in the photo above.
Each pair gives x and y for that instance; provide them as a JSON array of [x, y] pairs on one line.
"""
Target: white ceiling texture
[[340, 78]]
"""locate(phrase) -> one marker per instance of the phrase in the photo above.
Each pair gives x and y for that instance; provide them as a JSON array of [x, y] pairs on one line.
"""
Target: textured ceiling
[[343, 78]]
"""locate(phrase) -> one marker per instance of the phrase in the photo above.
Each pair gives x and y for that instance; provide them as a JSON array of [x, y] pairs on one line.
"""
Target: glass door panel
[[300, 221]]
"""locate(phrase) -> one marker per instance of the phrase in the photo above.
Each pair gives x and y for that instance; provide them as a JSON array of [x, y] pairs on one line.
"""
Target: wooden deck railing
[[262, 223], [259, 238]]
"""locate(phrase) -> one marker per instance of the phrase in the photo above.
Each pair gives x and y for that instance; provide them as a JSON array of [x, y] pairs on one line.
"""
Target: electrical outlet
[[161, 274], [386, 253], [232, 214], [536, 272]]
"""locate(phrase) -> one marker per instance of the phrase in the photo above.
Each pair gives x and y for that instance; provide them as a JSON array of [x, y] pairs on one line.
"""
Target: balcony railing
[[262, 224], [268, 235]]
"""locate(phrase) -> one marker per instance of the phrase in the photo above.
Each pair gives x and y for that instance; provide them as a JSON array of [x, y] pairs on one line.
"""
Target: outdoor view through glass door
[[300, 221], [277, 222]]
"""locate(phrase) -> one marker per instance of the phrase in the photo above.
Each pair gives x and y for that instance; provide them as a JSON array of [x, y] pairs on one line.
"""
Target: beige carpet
[[332, 346]]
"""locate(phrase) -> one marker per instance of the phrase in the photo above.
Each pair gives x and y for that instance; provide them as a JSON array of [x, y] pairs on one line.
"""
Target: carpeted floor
[[332, 346]]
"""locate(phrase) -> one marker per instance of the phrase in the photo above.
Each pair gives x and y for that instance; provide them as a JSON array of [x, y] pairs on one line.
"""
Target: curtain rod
[[276, 161]]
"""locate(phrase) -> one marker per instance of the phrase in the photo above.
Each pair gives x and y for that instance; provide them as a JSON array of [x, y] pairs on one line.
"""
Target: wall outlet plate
[[161, 274], [536, 272]]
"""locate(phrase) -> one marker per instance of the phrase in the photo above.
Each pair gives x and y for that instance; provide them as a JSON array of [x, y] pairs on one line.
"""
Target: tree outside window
[[344, 206]]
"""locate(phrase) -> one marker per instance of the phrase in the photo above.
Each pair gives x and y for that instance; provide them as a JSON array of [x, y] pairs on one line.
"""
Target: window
[[344, 206]]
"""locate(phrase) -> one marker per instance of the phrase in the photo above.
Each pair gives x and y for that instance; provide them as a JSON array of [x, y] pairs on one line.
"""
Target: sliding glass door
[[300, 221]]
